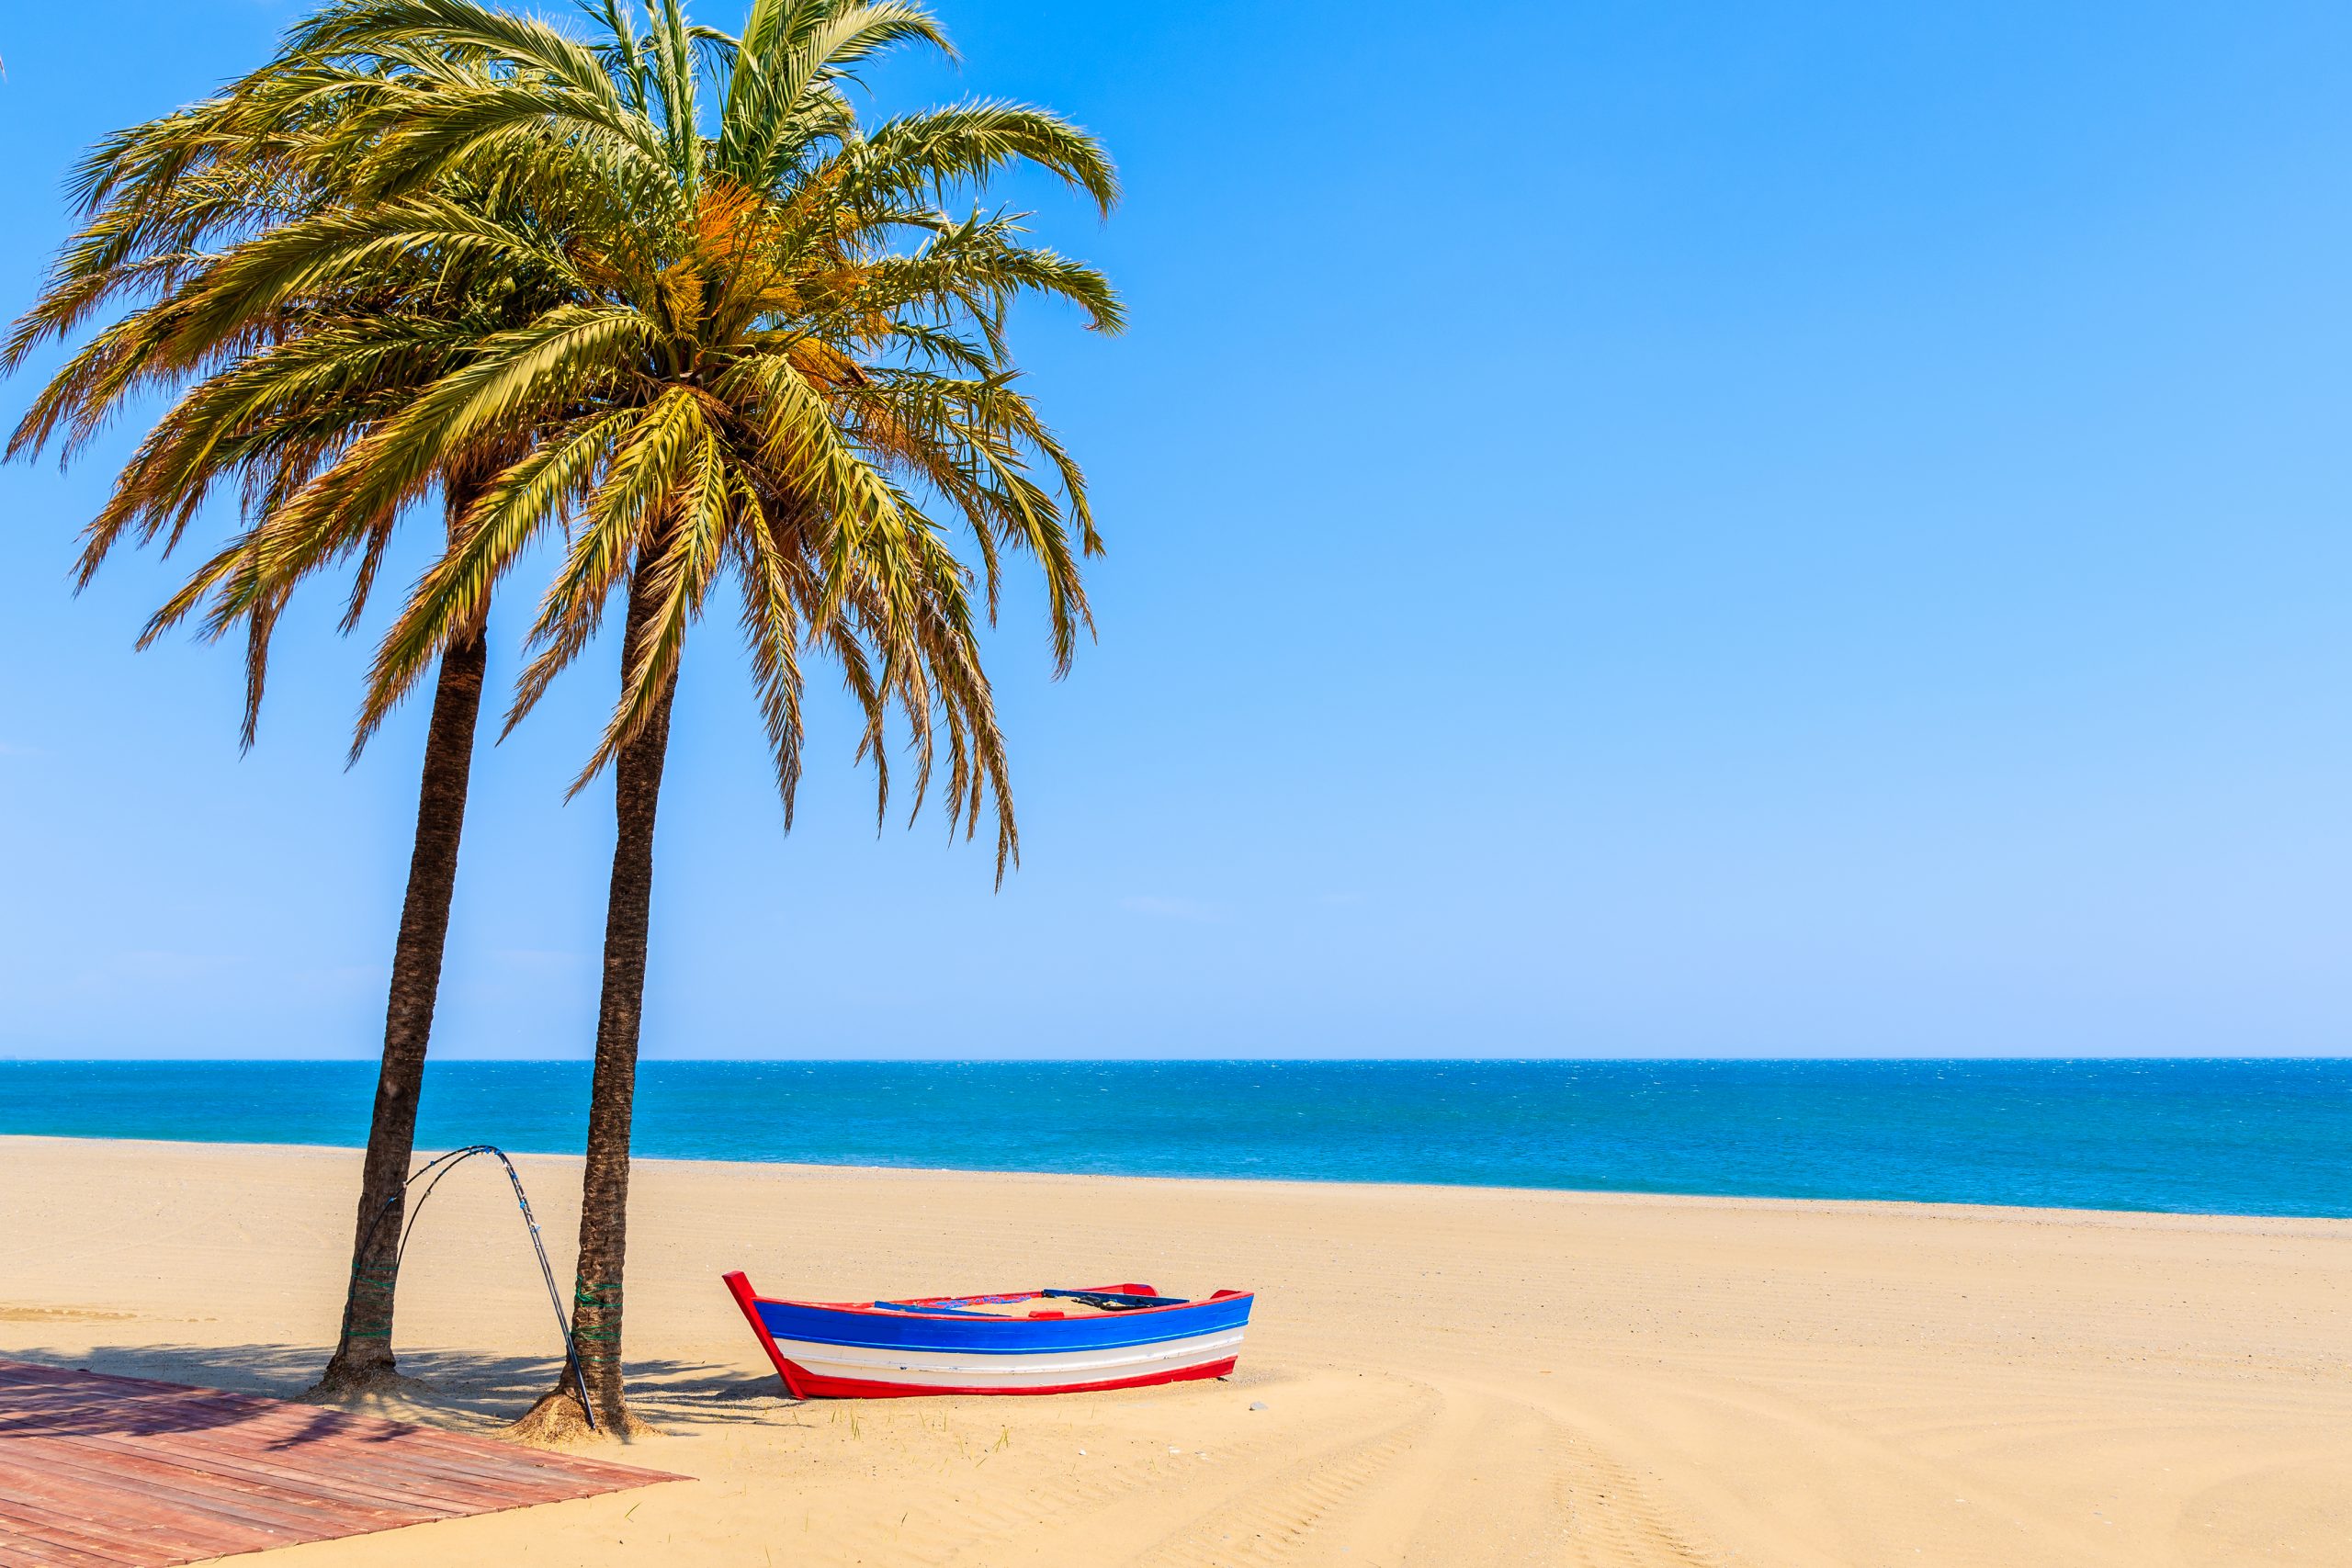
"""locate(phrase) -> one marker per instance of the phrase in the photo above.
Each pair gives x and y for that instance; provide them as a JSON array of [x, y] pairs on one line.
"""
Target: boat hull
[[839, 1351]]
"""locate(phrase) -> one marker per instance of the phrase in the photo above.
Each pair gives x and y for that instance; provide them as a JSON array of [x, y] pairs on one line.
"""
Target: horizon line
[[6, 1059]]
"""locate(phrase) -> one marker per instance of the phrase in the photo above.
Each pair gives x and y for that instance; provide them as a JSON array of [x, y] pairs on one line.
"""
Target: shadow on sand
[[442, 1388]]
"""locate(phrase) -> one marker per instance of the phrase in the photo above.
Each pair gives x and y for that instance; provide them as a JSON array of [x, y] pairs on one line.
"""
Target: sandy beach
[[1446, 1375]]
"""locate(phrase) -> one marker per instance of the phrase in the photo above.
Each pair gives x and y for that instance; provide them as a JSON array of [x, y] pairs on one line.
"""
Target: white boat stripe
[[984, 1382], [819, 1356]]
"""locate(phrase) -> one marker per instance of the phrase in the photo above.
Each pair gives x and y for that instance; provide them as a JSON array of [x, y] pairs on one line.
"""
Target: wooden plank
[[418, 1481], [24, 1553], [424, 1468], [224, 1494], [359, 1492], [127, 1511], [278, 1517], [400, 1479], [100, 1472], [66, 1522], [24, 1522], [163, 1477]]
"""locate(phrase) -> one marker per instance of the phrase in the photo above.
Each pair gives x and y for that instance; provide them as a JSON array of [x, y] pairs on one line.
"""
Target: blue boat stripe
[[999, 1336]]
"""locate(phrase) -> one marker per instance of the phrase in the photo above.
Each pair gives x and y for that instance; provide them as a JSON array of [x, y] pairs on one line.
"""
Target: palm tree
[[268, 400], [752, 373]]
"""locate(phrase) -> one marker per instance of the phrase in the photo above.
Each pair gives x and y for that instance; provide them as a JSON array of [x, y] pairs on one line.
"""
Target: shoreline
[[2242, 1138], [1435, 1374], [369, 1059], [2048, 1212]]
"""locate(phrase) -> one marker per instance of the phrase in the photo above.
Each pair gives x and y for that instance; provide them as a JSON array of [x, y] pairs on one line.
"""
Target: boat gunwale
[[911, 1309]]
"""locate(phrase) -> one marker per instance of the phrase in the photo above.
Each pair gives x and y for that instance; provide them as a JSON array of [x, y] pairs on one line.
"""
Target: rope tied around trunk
[[375, 1283], [595, 1299]]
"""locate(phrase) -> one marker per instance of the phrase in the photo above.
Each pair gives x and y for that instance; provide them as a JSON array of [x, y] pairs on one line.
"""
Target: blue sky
[[1636, 530]]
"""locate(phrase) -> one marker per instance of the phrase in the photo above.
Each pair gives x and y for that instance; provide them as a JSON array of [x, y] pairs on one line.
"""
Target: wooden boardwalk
[[120, 1471]]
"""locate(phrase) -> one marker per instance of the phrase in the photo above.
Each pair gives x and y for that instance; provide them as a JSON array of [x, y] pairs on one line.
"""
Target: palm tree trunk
[[363, 1356], [604, 1195]]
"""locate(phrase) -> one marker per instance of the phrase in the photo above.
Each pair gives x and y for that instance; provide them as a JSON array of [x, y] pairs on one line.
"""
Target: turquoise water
[[2254, 1137]]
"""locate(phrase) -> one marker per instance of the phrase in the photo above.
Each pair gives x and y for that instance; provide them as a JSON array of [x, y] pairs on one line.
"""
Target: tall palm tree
[[267, 399], [778, 360]]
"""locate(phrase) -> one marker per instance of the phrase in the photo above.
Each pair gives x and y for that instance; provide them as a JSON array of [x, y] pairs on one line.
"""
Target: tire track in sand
[[1615, 1521], [1454, 1466], [1277, 1517], [1528, 1487]]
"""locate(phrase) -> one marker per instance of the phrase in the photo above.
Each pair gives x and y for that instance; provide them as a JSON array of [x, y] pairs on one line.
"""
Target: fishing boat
[[1045, 1341]]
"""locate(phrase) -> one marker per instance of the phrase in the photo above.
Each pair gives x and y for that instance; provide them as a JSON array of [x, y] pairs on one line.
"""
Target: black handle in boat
[[1114, 1301]]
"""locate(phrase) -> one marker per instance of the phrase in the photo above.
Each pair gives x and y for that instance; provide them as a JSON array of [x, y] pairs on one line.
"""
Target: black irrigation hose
[[447, 1163]]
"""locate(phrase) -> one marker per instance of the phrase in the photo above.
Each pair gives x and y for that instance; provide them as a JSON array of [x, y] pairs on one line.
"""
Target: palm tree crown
[[730, 366]]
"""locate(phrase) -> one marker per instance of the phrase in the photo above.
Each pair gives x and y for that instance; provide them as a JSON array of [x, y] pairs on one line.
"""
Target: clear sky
[[1636, 529]]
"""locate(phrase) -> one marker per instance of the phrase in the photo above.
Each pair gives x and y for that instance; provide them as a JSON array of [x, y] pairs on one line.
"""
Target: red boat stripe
[[858, 1388]]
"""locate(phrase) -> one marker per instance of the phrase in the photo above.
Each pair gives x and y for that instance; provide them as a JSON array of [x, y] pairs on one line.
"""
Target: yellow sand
[[1448, 1376]]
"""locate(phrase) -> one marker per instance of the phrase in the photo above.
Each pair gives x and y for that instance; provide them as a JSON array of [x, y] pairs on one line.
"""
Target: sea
[[2210, 1137]]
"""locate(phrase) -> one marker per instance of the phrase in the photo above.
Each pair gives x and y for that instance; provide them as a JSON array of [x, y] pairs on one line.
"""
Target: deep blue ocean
[[2251, 1137]]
